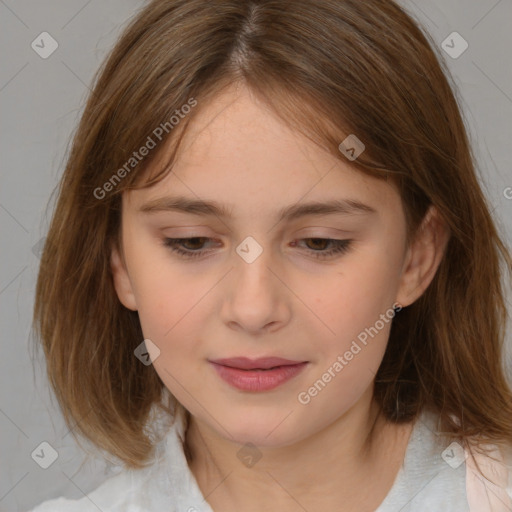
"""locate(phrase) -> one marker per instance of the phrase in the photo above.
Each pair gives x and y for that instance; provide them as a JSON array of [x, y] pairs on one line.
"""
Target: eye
[[337, 247], [176, 245]]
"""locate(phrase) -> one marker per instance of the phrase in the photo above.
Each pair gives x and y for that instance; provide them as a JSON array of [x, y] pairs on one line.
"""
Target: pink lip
[[262, 363], [258, 380]]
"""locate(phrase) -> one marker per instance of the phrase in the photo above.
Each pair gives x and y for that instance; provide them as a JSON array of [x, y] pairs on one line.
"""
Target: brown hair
[[328, 68]]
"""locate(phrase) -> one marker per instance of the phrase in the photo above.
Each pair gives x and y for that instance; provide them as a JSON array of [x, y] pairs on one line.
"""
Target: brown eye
[[192, 247], [319, 245], [196, 243]]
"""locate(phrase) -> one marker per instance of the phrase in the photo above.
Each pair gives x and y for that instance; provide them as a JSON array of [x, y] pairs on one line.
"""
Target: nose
[[254, 298]]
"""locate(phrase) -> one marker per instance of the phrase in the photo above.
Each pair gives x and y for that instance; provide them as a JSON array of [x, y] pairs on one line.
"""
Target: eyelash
[[340, 247]]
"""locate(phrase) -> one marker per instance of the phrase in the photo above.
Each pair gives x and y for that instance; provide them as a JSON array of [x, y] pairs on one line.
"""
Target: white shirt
[[426, 482]]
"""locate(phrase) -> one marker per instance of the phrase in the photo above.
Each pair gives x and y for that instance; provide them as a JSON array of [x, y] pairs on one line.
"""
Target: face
[[246, 283]]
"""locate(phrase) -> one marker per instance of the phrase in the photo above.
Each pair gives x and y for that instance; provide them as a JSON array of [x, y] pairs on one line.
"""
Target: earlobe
[[122, 283], [423, 257]]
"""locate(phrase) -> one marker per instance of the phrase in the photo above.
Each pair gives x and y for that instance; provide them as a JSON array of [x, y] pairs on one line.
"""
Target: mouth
[[259, 364], [258, 375]]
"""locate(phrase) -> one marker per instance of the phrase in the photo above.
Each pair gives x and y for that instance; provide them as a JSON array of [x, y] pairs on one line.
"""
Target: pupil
[[321, 241], [195, 239]]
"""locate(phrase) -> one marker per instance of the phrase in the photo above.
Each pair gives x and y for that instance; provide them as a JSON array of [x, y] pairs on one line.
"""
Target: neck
[[340, 463]]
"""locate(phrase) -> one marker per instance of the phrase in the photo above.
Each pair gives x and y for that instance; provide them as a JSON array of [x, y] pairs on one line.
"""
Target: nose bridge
[[253, 299], [252, 267]]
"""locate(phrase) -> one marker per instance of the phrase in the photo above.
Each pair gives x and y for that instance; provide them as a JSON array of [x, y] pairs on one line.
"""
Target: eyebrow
[[288, 213]]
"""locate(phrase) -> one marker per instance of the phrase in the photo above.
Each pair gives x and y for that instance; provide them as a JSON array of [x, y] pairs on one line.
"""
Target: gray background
[[41, 100]]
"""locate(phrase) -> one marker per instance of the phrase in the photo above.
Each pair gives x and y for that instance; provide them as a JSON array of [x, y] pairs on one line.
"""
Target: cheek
[[174, 308], [168, 308], [354, 297], [169, 316], [165, 295], [357, 308]]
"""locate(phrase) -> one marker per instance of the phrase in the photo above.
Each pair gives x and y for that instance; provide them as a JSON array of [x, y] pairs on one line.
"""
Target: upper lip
[[263, 363]]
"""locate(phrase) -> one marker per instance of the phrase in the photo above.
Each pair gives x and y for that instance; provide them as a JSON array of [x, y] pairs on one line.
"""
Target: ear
[[423, 257], [122, 281]]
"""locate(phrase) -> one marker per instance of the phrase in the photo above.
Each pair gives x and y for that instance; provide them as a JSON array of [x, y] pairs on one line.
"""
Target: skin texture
[[285, 303]]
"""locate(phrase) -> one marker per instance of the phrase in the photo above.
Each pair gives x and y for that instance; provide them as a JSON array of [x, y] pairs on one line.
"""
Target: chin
[[268, 431]]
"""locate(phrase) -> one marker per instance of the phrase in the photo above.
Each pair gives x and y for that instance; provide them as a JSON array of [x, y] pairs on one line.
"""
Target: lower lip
[[258, 380]]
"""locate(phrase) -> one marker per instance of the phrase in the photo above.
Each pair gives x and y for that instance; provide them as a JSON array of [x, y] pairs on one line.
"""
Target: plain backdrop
[[41, 100]]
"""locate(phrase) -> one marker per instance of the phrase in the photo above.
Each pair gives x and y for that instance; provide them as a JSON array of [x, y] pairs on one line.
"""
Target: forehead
[[240, 154]]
